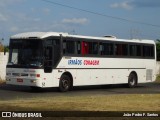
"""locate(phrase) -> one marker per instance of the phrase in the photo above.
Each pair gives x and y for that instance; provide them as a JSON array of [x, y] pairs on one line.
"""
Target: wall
[[158, 67], [3, 63]]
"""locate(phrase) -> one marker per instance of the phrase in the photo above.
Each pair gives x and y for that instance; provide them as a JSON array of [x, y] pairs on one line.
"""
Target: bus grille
[[149, 74], [20, 74]]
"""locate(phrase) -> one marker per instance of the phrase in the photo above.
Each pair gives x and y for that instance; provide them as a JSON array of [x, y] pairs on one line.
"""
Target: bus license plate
[[19, 80]]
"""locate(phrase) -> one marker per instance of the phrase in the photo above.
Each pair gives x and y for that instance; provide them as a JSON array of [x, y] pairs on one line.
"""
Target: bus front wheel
[[132, 80], [65, 83]]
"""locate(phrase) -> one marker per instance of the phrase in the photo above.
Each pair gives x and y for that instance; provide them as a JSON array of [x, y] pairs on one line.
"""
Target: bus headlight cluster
[[35, 75], [8, 80], [8, 74], [33, 81]]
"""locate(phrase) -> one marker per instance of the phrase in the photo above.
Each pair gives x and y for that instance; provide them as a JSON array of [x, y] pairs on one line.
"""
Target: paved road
[[9, 92]]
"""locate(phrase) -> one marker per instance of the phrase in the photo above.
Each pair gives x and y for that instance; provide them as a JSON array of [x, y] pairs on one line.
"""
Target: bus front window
[[26, 53]]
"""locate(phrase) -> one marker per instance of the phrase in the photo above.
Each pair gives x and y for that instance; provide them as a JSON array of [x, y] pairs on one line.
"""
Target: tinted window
[[26, 53], [78, 47], [106, 48], [135, 50], [89, 48], [68, 47], [121, 49], [148, 51]]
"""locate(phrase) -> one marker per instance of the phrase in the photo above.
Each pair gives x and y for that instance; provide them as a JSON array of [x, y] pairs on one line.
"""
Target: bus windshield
[[26, 53]]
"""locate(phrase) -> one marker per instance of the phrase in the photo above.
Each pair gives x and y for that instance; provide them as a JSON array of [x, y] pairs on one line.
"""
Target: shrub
[[1, 48]]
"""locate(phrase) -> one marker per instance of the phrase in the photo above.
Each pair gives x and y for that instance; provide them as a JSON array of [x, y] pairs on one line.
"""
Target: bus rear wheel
[[65, 83], [132, 80]]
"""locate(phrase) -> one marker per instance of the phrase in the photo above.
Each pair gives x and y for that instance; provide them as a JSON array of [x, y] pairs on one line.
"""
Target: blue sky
[[18, 16]]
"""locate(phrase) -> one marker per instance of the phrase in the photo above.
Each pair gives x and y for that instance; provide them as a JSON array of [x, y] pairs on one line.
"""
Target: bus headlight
[[8, 74], [35, 75], [33, 81], [8, 80]]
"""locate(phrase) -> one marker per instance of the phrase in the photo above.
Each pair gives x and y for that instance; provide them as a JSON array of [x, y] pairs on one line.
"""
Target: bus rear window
[[148, 51]]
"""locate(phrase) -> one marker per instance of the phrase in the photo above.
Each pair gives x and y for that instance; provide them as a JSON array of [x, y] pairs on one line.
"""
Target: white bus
[[51, 59]]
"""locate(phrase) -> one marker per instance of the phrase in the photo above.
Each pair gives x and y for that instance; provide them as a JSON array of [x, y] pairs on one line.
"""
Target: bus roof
[[38, 35], [42, 35]]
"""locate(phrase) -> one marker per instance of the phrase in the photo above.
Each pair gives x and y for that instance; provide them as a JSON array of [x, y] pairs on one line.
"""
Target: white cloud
[[128, 5], [124, 5], [23, 21], [80, 21]]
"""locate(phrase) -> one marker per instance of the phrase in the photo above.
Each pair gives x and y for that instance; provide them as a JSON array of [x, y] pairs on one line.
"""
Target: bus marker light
[[38, 75]]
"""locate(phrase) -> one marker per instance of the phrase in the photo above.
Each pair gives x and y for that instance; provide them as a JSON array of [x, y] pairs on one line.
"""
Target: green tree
[[6, 48], [158, 49], [1, 48]]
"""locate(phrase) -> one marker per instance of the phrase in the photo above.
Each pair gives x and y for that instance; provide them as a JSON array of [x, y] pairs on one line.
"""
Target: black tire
[[132, 80], [65, 83]]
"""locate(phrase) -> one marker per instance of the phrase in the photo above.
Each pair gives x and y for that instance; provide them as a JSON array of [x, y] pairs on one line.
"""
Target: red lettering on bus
[[91, 62]]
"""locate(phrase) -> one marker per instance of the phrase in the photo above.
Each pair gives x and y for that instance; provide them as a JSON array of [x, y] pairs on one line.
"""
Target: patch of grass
[[158, 79], [138, 102]]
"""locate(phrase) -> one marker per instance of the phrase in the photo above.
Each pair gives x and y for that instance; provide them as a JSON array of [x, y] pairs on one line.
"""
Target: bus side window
[[106, 48], [78, 47], [95, 48], [148, 51], [121, 49], [132, 50], [68, 47], [139, 50], [90, 48], [101, 48], [85, 48], [135, 50], [125, 49], [118, 49]]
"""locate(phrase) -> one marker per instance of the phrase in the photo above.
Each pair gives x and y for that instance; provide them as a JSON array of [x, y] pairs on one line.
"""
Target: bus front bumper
[[24, 82]]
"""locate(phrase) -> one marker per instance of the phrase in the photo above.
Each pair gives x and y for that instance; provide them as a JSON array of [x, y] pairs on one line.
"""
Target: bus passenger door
[[48, 61]]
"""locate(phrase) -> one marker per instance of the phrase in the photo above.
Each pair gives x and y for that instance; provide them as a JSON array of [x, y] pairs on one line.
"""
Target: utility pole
[[1, 41]]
